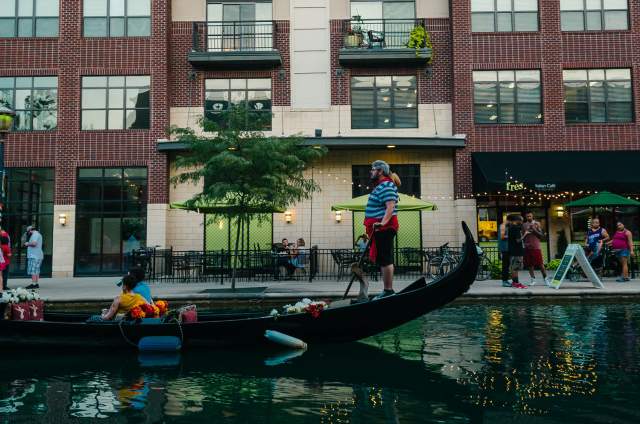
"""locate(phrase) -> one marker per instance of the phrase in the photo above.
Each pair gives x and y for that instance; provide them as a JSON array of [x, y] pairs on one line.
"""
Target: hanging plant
[[419, 39]]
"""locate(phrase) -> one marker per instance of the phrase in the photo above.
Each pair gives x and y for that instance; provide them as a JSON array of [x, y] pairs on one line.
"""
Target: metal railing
[[379, 33], [167, 265], [228, 36]]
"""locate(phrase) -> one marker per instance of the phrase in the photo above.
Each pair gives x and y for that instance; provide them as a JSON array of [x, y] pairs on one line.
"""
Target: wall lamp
[[287, 217], [62, 219], [560, 211], [338, 217]]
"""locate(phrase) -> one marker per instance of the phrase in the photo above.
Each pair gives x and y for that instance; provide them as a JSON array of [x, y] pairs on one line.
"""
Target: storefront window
[[111, 218], [29, 202], [487, 224]]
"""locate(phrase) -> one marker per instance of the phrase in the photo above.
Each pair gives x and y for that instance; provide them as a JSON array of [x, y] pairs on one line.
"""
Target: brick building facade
[[311, 70]]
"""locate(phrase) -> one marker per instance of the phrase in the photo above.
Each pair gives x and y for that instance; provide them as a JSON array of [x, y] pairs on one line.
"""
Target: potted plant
[[419, 39], [354, 35]]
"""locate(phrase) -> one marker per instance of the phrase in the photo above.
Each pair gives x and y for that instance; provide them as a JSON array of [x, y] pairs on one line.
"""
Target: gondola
[[334, 325]]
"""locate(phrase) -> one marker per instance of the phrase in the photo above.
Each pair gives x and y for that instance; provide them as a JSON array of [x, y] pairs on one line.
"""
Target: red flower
[[137, 313], [147, 309], [163, 306], [314, 309]]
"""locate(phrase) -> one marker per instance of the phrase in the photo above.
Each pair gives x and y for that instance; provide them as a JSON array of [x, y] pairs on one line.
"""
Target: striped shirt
[[384, 192]]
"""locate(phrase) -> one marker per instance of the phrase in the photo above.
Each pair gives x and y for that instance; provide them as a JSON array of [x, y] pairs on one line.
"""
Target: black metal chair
[[343, 260], [375, 37]]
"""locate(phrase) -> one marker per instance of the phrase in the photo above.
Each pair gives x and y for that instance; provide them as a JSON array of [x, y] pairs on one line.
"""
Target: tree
[[244, 172]]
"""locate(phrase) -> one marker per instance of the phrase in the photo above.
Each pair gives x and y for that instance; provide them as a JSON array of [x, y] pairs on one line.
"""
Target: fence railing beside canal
[[167, 265]]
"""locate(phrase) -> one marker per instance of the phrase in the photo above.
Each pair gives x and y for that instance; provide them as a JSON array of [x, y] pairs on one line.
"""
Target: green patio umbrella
[[222, 208], [406, 203], [604, 198]]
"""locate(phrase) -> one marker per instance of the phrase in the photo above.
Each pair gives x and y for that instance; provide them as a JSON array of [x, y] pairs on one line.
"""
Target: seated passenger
[[141, 287], [126, 301]]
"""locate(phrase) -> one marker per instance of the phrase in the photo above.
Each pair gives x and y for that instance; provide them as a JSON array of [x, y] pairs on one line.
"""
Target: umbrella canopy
[[406, 203], [604, 198], [221, 208]]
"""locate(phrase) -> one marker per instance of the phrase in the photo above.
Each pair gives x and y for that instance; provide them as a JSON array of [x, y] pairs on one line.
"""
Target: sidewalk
[[103, 289]]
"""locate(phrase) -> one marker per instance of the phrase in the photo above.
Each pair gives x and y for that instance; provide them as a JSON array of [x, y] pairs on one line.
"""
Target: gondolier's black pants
[[384, 247], [506, 259]]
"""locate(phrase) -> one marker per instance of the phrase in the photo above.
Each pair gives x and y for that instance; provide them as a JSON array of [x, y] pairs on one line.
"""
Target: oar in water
[[357, 273]]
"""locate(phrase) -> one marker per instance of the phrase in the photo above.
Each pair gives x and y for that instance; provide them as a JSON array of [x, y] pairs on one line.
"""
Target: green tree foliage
[[244, 172]]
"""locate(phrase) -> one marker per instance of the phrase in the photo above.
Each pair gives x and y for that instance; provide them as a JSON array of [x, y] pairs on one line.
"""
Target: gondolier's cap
[[383, 166]]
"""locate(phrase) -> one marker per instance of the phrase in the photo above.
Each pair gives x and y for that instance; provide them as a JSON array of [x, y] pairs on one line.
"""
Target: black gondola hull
[[338, 324]]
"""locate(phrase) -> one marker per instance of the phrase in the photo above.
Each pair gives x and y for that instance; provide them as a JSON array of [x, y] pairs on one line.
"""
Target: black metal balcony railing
[[379, 33], [232, 36]]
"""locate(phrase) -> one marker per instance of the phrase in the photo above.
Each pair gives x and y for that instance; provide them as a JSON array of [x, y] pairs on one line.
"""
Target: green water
[[509, 363]]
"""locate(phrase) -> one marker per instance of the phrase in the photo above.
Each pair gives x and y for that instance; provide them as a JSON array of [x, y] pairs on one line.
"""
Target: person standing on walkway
[[503, 247], [381, 221], [516, 249], [532, 234], [34, 255], [622, 244], [5, 246], [596, 237]]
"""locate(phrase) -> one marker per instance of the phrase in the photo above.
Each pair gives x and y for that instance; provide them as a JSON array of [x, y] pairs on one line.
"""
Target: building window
[[507, 97], [384, 102], [594, 15], [504, 15], [597, 95], [111, 218], [29, 201], [243, 25], [34, 99], [29, 18], [117, 18], [252, 97], [115, 103]]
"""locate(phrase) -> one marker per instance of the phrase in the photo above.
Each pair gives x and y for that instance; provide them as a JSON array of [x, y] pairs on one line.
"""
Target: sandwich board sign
[[575, 251]]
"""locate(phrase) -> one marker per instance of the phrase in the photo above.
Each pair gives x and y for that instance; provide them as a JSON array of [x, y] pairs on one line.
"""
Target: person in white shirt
[[34, 255]]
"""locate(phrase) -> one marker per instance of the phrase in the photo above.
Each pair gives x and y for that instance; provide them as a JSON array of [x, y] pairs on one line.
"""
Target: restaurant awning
[[604, 198], [616, 171]]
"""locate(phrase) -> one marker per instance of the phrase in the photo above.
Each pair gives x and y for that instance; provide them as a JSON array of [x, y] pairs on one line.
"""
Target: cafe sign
[[545, 187], [514, 186]]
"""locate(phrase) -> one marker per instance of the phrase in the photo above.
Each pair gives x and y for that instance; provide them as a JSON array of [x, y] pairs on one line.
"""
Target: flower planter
[[352, 40]]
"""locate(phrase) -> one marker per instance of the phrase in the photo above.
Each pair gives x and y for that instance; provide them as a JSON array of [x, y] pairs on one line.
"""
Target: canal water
[[509, 363]]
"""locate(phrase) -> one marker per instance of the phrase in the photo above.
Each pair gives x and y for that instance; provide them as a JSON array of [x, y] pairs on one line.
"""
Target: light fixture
[[338, 217], [62, 219], [287, 217], [391, 146], [560, 211]]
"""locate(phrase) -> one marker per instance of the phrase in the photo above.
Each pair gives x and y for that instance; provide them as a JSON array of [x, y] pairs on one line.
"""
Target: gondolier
[[381, 221]]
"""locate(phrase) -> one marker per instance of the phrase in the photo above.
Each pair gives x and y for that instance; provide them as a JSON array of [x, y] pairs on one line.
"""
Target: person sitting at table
[[284, 257], [361, 243], [298, 257], [125, 302]]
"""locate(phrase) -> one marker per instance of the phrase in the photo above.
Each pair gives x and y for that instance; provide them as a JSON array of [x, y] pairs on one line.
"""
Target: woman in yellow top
[[126, 301]]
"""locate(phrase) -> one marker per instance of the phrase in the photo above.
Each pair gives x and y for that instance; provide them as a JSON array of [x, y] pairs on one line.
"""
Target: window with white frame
[[507, 97], [29, 18], [594, 15], [597, 95], [504, 15], [117, 18]]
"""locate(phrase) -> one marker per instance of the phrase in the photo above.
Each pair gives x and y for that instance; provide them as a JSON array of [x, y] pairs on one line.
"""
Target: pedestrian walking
[[381, 221], [5, 247], [595, 240], [532, 234], [622, 244], [503, 247], [34, 255], [516, 249]]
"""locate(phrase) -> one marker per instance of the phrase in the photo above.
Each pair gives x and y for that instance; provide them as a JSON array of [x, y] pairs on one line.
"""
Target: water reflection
[[461, 364]]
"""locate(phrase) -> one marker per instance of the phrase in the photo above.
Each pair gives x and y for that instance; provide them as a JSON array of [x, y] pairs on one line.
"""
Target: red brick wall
[[70, 57], [551, 51], [433, 89], [186, 92]]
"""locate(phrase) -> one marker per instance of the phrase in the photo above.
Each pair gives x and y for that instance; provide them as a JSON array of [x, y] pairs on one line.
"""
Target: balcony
[[376, 42], [234, 45]]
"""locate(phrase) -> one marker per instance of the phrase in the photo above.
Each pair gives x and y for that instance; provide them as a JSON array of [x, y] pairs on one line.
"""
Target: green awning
[[222, 208], [604, 198], [406, 203]]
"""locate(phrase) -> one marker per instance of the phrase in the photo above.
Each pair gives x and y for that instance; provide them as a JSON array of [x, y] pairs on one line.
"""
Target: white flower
[[292, 310], [274, 313], [306, 301]]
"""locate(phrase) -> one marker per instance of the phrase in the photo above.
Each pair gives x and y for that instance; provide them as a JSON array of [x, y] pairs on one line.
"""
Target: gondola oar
[[357, 273]]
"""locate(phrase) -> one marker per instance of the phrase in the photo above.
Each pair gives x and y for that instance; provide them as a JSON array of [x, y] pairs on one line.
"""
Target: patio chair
[[343, 260], [412, 258], [376, 37]]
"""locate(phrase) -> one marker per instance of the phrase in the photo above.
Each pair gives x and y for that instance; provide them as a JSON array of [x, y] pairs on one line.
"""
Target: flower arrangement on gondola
[[137, 313], [18, 295], [163, 307], [314, 308], [21, 305], [149, 310]]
